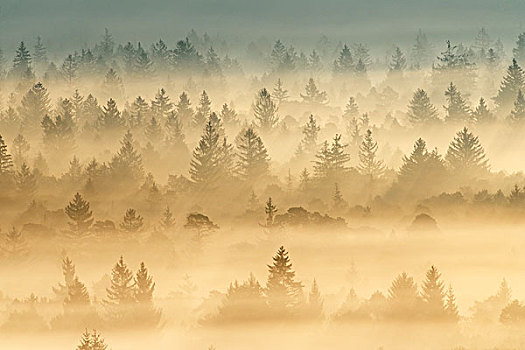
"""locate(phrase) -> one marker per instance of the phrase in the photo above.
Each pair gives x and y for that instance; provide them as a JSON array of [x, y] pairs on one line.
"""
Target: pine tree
[[167, 222], [482, 114], [183, 110], [283, 291], [120, 299], [33, 108], [345, 62], [270, 211], [421, 51], [512, 83], [132, 222], [304, 180], [351, 109], [368, 165], [398, 61], [26, 181], [6, 160], [339, 202], [451, 308], [77, 296], [39, 53], [403, 299], [265, 111], [466, 156], [143, 65], [457, 108], [310, 134], [519, 51], [185, 57], [421, 110], [139, 112], [203, 110], [14, 244], [433, 294], [315, 302], [518, 113], [153, 131], [201, 224], [22, 64], [174, 131], [279, 93], [253, 162], [110, 119], [228, 115], [20, 148], [207, 156], [78, 211], [331, 160], [70, 69], [313, 94], [127, 163], [68, 271], [161, 106], [146, 315]]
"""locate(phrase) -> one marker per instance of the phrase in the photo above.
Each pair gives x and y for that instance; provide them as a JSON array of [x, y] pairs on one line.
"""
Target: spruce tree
[[369, 165], [6, 160], [213, 63], [315, 302], [132, 221], [519, 51], [331, 159], [344, 64], [39, 53], [174, 131], [265, 111], [68, 271], [398, 61], [22, 64], [205, 164], [351, 109], [279, 93], [433, 294], [127, 163], [14, 245], [482, 114], [110, 119], [184, 110], [420, 110], [203, 110], [78, 211], [120, 299], [310, 135], [153, 131], [70, 69], [457, 108], [313, 94], [466, 156], [26, 181], [304, 180], [139, 112], [270, 211], [403, 298], [518, 113], [421, 51], [77, 296], [451, 308], [33, 107], [143, 65], [146, 314], [228, 115], [283, 291], [161, 106], [253, 160], [167, 222], [91, 341], [512, 83]]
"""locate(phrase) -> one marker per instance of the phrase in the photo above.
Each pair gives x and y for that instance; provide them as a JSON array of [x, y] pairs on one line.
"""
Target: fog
[[285, 174]]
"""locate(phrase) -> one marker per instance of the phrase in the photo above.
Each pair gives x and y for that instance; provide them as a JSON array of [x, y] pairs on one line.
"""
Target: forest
[[195, 194]]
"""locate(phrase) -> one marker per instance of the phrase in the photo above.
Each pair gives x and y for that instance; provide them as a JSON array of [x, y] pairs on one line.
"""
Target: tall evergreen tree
[[403, 298], [313, 94], [78, 211], [127, 163], [265, 111], [161, 106], [420, 110], [465, 154], [39, 53], [132, 221], [518, 113], [110, 119], [284, 293], [70, 69], [310, 135], [253, 160], [369, 165], [147, 315], [421, 51], [519, 51], [398, 61], [433, 294], [33, 108], [270, 211], [26, 181], [6, 160], [184, 110], [22, 64], [482, 114], [203, 110], [331, 159], [344, 64], [457, 109], [512, 82], [351, 109], [280, 94], [14, 245], [120, 299], [451, 308], [205, 165], [228, 115]]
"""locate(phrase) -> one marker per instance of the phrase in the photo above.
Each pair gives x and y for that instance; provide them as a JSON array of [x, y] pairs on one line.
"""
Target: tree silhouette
[[78, 211]]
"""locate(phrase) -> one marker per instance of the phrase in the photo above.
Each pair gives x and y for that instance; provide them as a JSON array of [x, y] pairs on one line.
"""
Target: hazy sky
[[67, 23]]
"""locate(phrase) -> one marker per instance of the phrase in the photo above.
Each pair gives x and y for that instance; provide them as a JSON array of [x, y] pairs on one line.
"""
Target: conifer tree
[[185, 57], [313, 94], [6, 160], [110, 119], [120, 299], [304, 180], [331, 160], [512, 83], [143, 65], [213, 62], [167, 222], [26, 181], [421, 110], [433, 294], [68, 271], [70, 69], [228, 115], [253, 160], [351, 109], [279, 93], [174, 131], [403, 298], [283, 291], [147, 315], [270, 211], [519, 51], [339, 202], [344, 63], [203, 110], [451, 308], [153, 131], [107, 44], [78, 211], [139, 112], [482, 114], [33, 108], [369, 165], [22, 64], [161, 106], [39, 53], [465, 154], [315, 301], [77, 296], [132, 221], [310, 134], [398, 61], [14, 245], [184, 110], [518, 113], [421, 51], [457, 108], [205, 164], [127, 163], [91, 341], [265, 111]]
